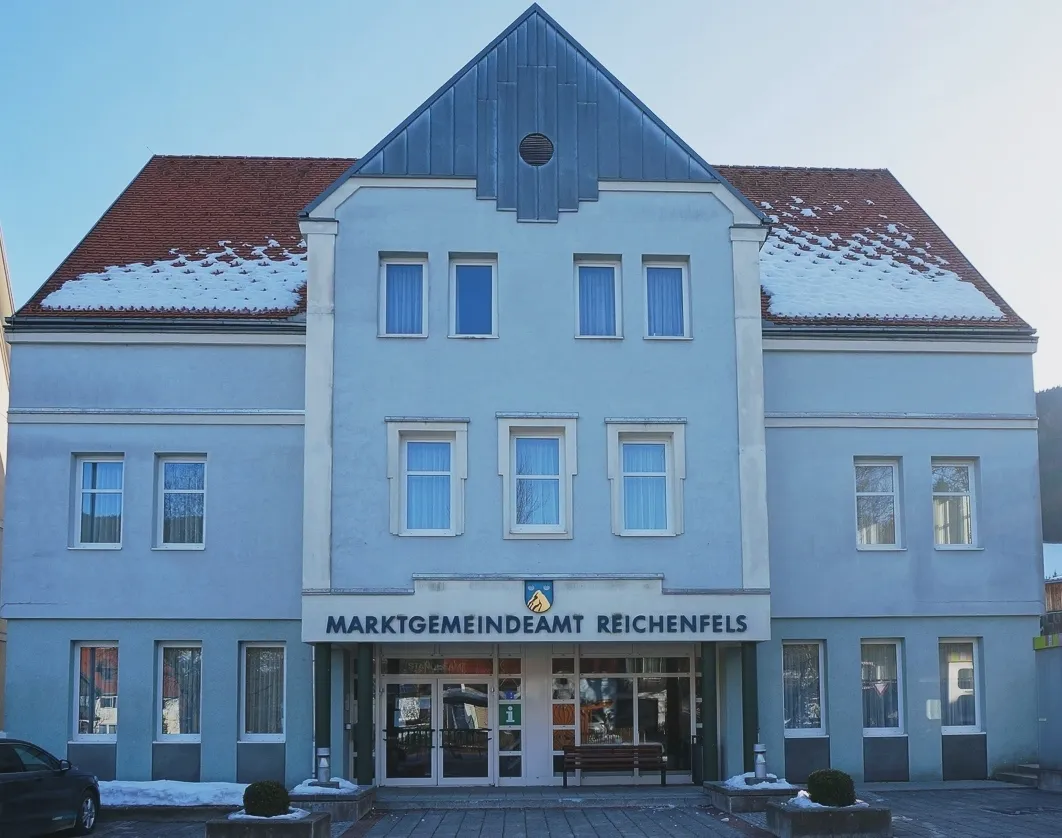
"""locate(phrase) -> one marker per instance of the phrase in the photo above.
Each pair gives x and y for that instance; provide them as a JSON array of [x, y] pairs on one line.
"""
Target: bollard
[[324, 769], [760, 762]]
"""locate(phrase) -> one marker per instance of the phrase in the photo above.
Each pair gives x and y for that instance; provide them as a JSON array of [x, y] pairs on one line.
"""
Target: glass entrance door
[[409, 733], [465, 733], [437, 731]]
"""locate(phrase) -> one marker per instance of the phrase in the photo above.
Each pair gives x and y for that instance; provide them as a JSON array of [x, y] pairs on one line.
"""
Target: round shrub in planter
[[831, 787], [266, 799]]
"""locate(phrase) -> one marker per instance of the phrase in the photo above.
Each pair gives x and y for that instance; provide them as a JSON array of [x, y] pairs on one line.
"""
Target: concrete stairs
[[1027, 774]]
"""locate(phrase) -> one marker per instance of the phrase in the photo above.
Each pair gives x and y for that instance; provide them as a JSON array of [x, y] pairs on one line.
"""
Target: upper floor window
[[536, 458], [182, 501], [802, 694], [667, 300], [473, 298], [877, 507], [403, 297], [598, 292], [646, 468], [427, 466], [100, 482], [953, 503], [96, 713]]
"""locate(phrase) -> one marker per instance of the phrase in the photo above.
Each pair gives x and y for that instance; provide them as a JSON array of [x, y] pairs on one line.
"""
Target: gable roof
[[194, 238], [534, 78]]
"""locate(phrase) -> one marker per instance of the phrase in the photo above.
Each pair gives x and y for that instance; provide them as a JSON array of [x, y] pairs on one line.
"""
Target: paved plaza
[[995, 811]]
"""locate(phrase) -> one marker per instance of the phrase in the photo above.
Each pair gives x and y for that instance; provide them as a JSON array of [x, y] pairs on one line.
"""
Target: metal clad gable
[[534, 77]]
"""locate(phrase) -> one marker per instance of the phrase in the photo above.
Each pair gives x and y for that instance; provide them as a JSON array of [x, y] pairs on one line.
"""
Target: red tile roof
[[189, 205]]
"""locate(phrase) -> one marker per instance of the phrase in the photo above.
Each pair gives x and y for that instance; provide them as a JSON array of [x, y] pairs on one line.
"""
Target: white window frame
[[895, 464], [78, 646], [562, 428], [673, 435], [490, 262], [971, 465], [160, 708], [901, 695], [162, 491], [978, 726], [79, 491], [400, 432], [382, 314], [617, 294], [808, 732], [683, 264], [262, 737]]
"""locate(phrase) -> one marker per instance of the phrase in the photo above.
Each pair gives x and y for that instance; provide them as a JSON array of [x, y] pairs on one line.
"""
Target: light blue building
[[527, 429]]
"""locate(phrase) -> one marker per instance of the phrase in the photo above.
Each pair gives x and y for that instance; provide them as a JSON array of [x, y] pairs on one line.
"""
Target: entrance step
[[538, 797], [1019, 777]]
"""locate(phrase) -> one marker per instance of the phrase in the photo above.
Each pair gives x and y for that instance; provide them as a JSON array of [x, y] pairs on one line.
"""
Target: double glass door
[[437, 731]]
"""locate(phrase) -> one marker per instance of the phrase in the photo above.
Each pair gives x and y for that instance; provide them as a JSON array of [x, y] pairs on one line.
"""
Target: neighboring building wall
[[6, 309], [824, 410], [240, 407]]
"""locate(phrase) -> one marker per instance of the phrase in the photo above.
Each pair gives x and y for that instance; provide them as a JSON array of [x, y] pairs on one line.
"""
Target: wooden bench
[[615, 758]]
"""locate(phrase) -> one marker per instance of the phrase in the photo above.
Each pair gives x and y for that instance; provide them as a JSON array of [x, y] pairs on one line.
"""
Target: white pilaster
[[317, 442]]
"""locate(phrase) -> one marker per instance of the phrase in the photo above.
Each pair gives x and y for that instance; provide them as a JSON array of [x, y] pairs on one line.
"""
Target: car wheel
[[86, 814]]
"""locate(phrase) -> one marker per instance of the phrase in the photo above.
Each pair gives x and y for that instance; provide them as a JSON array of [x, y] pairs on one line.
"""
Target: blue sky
[[959, 98]]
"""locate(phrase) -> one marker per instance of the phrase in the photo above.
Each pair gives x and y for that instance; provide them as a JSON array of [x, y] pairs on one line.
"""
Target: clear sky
[[959, 98]]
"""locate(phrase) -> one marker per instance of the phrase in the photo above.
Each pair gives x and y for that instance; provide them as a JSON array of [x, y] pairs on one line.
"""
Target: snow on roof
[[205, 281], [203, 237]]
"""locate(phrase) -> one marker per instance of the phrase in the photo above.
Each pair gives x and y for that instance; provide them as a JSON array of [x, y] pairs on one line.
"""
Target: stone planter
[[847, 822], [342, 807], [315, 825], [751, 799]]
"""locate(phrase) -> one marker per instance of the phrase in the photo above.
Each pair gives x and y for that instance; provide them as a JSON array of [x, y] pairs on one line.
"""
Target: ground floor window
[[959, 710], [180, 691], [882, 688], [97, 693], [802, 697], [263, 692]]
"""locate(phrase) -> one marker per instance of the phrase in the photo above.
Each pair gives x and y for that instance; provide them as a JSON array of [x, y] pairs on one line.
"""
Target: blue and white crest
[[538, 595]]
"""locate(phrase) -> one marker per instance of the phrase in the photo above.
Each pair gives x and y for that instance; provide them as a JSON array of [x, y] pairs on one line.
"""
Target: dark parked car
[[40, 794]]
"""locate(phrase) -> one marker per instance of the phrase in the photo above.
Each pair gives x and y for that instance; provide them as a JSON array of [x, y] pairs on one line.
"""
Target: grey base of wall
[[885, 759], [259, 761], [804, 754], [790, 822], [964, 756], [99, 759], [175, 761], [317, 825]]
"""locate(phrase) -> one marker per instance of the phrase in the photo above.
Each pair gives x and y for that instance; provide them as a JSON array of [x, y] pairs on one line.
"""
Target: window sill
[[473, 337], [428, 534], [866, 548], [667, 337], [960, 731], [402, 337], [599, 337], [958, 548], [178, 740], [262, 740], [102, 739], [180, 548], [646, 534], [883, 733], [534, 535], [806, 734], [95, 547]]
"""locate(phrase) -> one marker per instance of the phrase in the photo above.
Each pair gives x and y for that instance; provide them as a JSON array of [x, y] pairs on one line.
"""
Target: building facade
[[7, 307], [527, 429]]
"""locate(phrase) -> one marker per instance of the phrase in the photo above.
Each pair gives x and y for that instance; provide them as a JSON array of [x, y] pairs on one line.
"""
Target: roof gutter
[[1003, 334], [31, 323]]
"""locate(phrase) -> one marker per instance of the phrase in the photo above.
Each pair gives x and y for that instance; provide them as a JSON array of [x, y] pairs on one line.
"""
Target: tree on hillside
[[1049, 409]]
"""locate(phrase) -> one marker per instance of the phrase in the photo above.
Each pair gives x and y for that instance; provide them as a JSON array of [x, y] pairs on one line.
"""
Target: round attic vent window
[[536, 149]]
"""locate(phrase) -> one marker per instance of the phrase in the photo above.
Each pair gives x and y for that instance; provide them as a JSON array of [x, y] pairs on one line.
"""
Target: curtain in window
[[405, 299], [474, 308], [801, 696], [537, 481], [881, 697], [952, 513], [98, 690], [101, 502], [644, 486], [181, 690], [183, 502], [264, 690], [428, 485], [597, 300], [664, 299], [958, 687]]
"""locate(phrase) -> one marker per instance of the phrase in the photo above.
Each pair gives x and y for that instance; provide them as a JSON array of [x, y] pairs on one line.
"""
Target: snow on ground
[[219, 281], [170, 793], [345, 787], [867, 274], [772, 782], [292, 815]]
